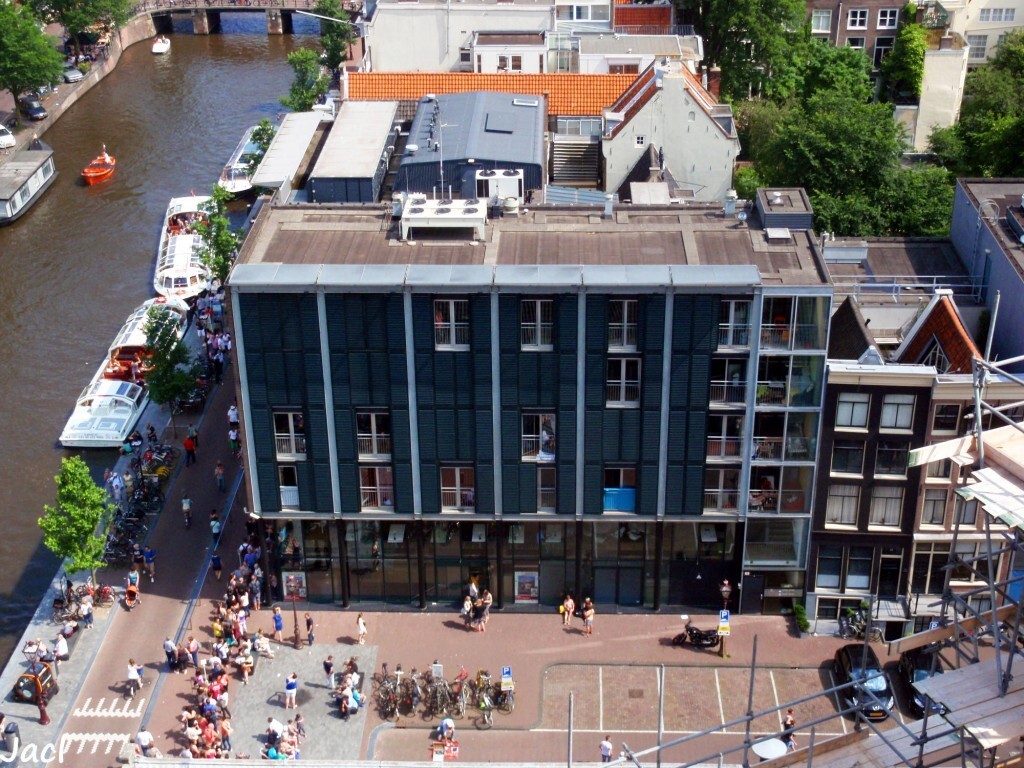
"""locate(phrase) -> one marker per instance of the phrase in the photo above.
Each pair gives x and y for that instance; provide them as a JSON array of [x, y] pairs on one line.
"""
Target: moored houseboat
[[24, 177]]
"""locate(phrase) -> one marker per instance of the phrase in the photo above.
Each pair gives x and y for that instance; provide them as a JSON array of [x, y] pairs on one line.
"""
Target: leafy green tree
[[904, 66], [756, 122], [309, 84], [73, 529], [28, 58], [755, 42], [220, 241], [173, 375], [76, 16], [746, 181], [853, 215], [261, 137], [335, 37], [836, 69], [916, 201]]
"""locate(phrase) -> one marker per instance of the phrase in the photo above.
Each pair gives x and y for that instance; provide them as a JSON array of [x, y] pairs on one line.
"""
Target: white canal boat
[[161, 45], [180, 272], [235, 176]]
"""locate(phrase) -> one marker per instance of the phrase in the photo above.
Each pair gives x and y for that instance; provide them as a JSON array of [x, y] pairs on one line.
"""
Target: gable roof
[[566, 94], [940, 323], [848, 337]]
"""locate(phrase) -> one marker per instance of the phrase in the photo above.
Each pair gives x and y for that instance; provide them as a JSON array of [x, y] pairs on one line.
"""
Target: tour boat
[[161, 45], [100, 169], [235, 176], [180, 272], [109, 407]]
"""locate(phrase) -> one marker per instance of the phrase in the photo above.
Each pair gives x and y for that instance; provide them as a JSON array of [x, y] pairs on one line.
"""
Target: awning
[[1000, 495]]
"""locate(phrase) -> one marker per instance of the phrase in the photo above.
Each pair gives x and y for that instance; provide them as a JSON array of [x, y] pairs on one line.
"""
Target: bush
[[746, 181], [800, 613], [84, 67]]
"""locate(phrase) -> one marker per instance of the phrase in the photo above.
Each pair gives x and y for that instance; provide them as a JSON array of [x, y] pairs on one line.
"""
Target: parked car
[[7, 139], [73, 75], [915, 666], [32, 108], [849, 667]]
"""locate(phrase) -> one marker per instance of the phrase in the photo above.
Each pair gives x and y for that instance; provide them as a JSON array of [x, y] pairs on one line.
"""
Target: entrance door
[[889, 576], [604, 585], [752, 594], [631, 586]]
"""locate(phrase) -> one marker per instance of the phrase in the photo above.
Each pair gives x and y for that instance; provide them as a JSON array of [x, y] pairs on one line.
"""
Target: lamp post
[[292, 585], [725, 589]]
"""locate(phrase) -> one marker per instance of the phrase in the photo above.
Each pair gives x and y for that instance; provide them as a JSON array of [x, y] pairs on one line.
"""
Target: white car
[[7, 139], [73, 75]]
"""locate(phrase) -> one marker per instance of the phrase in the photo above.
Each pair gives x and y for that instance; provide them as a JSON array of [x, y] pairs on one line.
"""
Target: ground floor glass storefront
[[430, 563]]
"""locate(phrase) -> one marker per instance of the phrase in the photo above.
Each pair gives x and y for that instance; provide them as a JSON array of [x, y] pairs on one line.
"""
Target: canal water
[[73, 268]]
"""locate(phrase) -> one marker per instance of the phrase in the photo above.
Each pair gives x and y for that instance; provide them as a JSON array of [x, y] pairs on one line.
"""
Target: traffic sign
[[506, 671], [723, 617], [933, 625]]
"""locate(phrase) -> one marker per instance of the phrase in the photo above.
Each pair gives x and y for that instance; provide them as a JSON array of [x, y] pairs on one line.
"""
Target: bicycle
[[486, 706]]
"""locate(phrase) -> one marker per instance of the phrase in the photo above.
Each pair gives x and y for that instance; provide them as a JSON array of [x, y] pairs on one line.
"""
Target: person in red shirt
[[190, 450]]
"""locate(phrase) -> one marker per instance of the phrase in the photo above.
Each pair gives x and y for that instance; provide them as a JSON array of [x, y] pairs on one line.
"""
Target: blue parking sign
[[723, 617], [506, 671]]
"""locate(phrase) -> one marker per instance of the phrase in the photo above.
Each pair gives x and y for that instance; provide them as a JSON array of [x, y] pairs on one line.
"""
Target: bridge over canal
[[205, 14]]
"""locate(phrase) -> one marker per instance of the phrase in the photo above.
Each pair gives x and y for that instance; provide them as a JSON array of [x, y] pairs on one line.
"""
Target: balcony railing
[[378, 497], [374, 446], [290, 445], [458, 498], [730, 335], [546, 500], [767, 448], [289, 497], [786, 336], [620, 499], [451, 335], [771, 393], [534, 451], [536, 335], [724, 447], [681, 30], [716, 499], [727, 392], [622, 335], [623, 393]]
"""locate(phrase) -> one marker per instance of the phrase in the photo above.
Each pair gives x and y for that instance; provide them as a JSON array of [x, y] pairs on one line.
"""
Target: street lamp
[[292, 584], [725, 589]]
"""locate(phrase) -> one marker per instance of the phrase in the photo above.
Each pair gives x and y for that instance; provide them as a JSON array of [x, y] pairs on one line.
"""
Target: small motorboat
[[100, 169], [161, 45]]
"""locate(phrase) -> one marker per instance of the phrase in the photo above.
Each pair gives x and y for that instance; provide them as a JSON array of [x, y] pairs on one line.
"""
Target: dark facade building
[[622, 406]]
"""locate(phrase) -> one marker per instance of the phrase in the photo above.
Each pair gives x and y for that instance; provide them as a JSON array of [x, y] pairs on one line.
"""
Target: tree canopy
[[73, 529], [220, 241], [261, 137], [28, 58], [173, 375], [904, 66], [76, 16], [309, 84], [335, 37]]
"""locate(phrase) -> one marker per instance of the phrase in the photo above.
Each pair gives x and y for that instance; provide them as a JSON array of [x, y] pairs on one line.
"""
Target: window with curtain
[[886, 504]]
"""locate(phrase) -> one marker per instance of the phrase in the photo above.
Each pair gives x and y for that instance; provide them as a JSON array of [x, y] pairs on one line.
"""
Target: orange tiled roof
[[643, 15], [567, 94], [943, 325]]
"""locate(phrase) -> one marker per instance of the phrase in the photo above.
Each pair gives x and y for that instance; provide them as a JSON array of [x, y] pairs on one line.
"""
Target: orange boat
[[100, 169]]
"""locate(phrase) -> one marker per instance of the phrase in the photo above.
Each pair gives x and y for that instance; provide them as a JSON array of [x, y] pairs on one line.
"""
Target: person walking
[[193, 651], [149, 556], [291, 688], [568, 609], [788, 726], [215, 565], [233, 415], [278, 625], [588, 618], [190, 450], [606, 749], [361, 629], [233, 443], [309, 628], [144, 740], [486, 599], [215, 529], [171, 652], [329, 672], [132, 579], [186, 508], [85, 611], [218, 475]]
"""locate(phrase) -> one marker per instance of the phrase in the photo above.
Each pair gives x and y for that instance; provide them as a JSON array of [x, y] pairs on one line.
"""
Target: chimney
[[714, 81], [608, 206]]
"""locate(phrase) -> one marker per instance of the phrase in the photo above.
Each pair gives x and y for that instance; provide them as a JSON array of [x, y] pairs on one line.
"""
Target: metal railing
[[786, 336], [290, 445], [622, 335], [767, 448], [623, 393], [451, 335], [716, 499], [726, 392], [771, 393], [730, 335], [289, 497], [374, 445], [724, 447], [536, 334], [546, 499], [377, 496], [458, 498], [531, 448], [682, 30]]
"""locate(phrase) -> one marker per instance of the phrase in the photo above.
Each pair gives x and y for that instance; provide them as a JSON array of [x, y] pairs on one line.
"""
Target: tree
[[261, 137], [309, 84], [28, 58], [836, 69], [220, 241], [756, 43], [335, 37], [904, 66], [74, 528], [76, 16], [916, 201], [174, 370]]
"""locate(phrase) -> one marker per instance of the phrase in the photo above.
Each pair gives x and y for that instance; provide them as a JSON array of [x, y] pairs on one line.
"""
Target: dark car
[[849, 667], [31, 108], [915, 666]]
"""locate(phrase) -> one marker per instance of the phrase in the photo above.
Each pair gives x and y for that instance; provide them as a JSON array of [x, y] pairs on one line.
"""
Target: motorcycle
[[699, 638]]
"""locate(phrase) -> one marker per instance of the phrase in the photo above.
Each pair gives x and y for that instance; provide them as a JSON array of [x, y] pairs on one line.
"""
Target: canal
[[82, 258]]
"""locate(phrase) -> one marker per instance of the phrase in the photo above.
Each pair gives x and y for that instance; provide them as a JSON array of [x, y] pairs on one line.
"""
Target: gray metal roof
[[483, 125], [287, 149], [358, 138], [17, 170], [609, 43]]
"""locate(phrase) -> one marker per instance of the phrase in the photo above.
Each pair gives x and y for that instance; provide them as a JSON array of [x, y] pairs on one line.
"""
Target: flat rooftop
[[890, 268], [360, 133], [542, 235], [1008, 194], [611, 43]]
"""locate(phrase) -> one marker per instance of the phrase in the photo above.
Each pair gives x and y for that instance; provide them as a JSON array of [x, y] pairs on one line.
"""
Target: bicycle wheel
[[508, 703], [459, 705]]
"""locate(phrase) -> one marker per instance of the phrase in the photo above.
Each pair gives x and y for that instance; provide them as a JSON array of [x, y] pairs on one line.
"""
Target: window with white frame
[[857, 18], [891, 458], [852, 409], [897, 412], [848, 457], [946, 417], [376, 488], [830, 567], [969, 550], [641, 141], [934, 510], [939, 470], [936, 356], [927, 575], [288, 482], [538, 437], [451, 323], [966, 511], [546, 489], [821, 21], [623, 382], [290, 435], [373, 435], [883, 47], [858, 567], [508, 63], [582, 12], [997, 14], [843, 501], [886, 506], [622, 322], [458, 488], [888, 18], [857, 43], [536, 324], [977, 45]]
